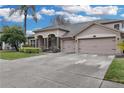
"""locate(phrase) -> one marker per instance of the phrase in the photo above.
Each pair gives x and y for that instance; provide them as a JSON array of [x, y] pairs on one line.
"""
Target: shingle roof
[[62, 27], [75, 28], [109, 20]]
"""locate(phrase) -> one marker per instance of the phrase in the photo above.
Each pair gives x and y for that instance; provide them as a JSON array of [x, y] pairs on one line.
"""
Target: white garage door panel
[[68, 46], [98, 46]]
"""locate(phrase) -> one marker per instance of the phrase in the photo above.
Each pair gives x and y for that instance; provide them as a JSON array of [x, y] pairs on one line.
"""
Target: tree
[[13, 36], [25, 10], [60, 20]]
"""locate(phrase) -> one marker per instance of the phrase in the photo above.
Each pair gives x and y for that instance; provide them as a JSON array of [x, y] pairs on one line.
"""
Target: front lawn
[[116, 71], [10, 55]]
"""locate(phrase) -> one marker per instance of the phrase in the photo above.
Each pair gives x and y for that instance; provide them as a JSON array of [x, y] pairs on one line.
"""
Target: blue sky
[[73, 14]]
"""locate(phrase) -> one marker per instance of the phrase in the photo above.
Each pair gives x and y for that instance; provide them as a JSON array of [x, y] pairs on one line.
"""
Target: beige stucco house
[[95, 37]]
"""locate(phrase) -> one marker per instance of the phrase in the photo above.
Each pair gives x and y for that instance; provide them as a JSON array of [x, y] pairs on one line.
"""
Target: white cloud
[[99, 10], [74, 18], [70, 13], [122, 15], [62, 13], [106, 10], [4, 12], [38, 15], [47, 11], [16, 17], [72, 8], [29, 32]]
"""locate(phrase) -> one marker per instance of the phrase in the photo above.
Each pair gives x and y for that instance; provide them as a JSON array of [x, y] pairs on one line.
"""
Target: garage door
[[97, 46], [68, 46]]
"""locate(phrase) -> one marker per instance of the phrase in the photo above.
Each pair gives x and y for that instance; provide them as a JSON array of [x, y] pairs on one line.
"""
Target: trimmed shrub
[[26, 45], [30, 50]]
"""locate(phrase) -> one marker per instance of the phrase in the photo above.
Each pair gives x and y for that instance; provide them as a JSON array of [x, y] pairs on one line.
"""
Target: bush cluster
[[30, 50]]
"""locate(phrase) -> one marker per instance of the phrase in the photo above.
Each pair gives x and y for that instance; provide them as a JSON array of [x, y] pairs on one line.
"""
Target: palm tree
[[25, 10]]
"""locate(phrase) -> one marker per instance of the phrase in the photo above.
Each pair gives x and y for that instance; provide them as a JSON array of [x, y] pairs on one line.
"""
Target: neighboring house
[[4, 46], [97, 37], [31, 40]]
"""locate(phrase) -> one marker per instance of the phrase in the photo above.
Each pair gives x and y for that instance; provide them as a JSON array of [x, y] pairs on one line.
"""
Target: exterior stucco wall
[[57, 33], [111, 25], [98, 32]]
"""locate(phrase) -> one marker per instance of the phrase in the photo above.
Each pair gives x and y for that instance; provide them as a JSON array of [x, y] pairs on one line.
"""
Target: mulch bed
[[120, 56]]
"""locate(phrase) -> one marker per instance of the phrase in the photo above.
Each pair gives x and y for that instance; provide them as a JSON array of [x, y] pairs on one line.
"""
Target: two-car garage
[[91, 45]]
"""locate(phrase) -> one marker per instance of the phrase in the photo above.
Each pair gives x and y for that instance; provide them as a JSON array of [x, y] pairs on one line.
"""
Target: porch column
[[61, 45], [47, 42], [35, 42], [57, 42], [3, 45], [44, 42], [76, 45]]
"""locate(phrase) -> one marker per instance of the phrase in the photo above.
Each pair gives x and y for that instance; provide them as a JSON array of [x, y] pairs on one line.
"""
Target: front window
[[116, 26], [33, 43]]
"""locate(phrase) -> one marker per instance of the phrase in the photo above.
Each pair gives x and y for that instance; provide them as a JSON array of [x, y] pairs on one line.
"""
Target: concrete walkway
[[56, 71]]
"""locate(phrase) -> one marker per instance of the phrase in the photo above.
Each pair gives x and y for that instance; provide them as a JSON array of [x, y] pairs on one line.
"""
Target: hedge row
[[30, 50]]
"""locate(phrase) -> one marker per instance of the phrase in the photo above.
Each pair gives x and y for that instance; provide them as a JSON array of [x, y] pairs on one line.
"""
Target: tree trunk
[[16, 47], [25, 22]]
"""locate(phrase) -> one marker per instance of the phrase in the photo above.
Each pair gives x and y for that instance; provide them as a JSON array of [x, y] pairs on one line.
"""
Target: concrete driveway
[[56, 71]]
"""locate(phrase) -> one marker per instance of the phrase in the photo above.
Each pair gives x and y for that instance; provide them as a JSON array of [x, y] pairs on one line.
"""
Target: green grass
[[116, 71], [11, 55]]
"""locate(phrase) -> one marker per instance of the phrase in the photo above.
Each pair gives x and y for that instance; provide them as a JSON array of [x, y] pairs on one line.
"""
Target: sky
[[72, 13]]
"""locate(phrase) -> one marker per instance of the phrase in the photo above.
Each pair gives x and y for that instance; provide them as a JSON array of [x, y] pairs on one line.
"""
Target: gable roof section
[[114, 30], [86, 26]]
